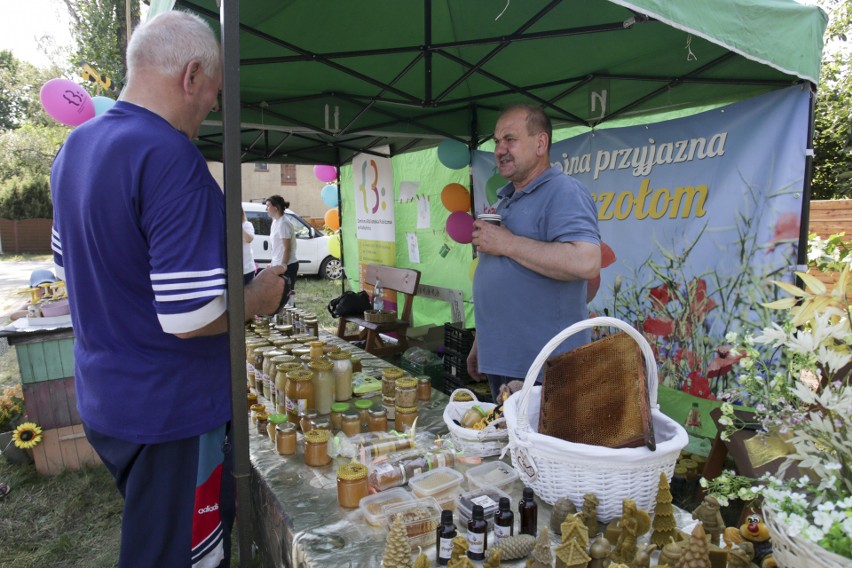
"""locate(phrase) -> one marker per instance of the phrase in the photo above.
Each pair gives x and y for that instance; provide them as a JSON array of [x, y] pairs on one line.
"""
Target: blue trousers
[[179, 499]]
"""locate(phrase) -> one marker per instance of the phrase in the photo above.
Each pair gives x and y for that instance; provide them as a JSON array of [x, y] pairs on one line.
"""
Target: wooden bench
[[404, 282]]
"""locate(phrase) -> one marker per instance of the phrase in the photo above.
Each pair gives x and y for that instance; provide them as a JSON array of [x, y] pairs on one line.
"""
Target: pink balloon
[[325, 173], [460, 227], [66, 102]]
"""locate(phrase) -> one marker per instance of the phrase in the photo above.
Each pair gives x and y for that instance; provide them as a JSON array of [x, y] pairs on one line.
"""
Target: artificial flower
[[27, 435]]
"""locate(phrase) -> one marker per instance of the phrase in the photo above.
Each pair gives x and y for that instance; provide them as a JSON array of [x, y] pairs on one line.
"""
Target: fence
[[31, 236]]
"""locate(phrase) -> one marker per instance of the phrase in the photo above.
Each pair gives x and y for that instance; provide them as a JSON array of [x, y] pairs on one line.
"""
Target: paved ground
[[14, 277]]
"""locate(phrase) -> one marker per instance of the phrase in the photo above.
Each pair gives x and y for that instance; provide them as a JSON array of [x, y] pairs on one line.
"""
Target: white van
[[312, 248]]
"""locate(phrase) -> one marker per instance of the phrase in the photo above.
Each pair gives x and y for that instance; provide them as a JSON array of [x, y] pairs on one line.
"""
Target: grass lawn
[[74, 519]]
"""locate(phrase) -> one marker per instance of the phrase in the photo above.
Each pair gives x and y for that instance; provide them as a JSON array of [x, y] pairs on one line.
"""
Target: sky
[[22, 21]]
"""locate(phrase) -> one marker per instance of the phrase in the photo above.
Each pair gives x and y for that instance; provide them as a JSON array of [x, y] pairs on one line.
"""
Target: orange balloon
[[332, 219], [455, 197]]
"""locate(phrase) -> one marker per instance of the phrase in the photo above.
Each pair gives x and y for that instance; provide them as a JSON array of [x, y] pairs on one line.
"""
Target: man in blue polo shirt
[[530, 283], [139, 238]]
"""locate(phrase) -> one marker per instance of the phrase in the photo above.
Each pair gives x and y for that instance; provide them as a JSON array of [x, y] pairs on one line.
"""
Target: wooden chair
[[402, 280]]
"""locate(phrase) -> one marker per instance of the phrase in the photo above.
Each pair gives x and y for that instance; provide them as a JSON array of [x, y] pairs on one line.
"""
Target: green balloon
[[491, 187]]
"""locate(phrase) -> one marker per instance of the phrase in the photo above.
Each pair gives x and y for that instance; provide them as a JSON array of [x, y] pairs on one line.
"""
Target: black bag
[[349, 304]]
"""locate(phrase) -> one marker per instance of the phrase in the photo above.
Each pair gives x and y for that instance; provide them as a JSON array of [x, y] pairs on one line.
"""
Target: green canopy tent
[[319, 81]]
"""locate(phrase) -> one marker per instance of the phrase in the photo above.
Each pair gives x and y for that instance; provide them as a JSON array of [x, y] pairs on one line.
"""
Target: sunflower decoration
[[27, 435]]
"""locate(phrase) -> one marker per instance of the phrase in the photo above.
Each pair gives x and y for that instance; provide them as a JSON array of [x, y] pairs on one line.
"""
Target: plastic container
[[421, 518], [488, 497], [436, 482], [372, 505], [495, 473]]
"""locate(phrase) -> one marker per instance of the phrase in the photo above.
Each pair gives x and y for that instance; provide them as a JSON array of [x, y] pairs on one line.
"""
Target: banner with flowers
[[697, 214]]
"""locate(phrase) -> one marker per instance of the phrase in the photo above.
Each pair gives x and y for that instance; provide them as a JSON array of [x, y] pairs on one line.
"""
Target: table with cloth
[[297, 520]]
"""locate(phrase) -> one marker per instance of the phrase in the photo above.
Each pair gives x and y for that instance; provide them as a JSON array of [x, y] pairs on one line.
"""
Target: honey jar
[[272, 424], [352, 485], [406, 392], [337, 410], [424, 389], [285, 438], [342, 371], [311, 326], [378, 420], [256, 409], [262, 419], [356, 365], [389, 377], [251, 400], [299, 393], [363, 406], [405, 417], [306, 418], [316, 349], [351, 424], [316, 448]]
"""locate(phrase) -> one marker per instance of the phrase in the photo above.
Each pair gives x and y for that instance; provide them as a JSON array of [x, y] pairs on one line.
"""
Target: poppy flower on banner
[[662, 326], [697, 385], [723, 362], [659, 296]]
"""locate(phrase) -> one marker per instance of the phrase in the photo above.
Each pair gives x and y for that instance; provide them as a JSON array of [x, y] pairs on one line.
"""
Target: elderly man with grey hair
[[139, 238]]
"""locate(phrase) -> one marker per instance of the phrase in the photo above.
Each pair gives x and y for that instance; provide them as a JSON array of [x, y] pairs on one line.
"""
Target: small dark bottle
[[477, 534], [504, 521], [446, 534], [528, 512]]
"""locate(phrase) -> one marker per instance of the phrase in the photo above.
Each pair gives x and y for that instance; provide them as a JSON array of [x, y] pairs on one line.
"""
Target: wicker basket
[[555, 468], [474, 443], [797, 552], [379, 316]]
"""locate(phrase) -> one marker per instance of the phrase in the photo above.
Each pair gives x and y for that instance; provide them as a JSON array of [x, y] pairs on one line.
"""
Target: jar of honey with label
[[316, 448]]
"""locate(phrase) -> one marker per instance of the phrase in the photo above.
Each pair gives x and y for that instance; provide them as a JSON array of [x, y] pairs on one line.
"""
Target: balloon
[[492, 186], [455, 197], [325, 174], [102, 104], [460, 227], [329, 195], [453, 154], [66, 102], [332, 219], [334, 246]]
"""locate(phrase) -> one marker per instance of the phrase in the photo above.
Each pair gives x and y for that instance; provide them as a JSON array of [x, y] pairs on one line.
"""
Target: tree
[[99, 29], [833, 114]]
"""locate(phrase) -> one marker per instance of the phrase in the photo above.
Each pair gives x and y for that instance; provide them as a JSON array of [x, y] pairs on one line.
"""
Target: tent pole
[[804, 223], [229, 19], [340, 218]]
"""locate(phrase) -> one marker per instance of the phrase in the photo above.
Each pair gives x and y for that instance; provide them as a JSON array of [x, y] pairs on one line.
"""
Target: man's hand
[[491, 239], [263, 294], [473, 364]]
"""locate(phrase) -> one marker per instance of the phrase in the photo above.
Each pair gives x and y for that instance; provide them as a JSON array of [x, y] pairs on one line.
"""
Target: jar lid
[[321, 364], [261, 416], [378, 412], [317, 436], [462, 397], [300, 375], [251, 396], [363, 403], [339, 407], [352, 471], [258, 407], [350, 415], [283, 358], [340, 355], [264, 348], [406, 382], [289, 366], [299, 351], [329, 349], [274, 352], [406, 409], [309, 412], [277, 418], [424, 379], [286, 427], [317, 343], [392, 373]]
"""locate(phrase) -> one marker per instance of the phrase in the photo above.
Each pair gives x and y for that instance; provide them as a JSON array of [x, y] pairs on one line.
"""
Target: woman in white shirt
[[249, 268], [282, 238]]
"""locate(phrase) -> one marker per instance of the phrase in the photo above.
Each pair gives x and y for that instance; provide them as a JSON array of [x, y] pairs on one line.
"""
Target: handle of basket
[[470, 392], [538, 362]]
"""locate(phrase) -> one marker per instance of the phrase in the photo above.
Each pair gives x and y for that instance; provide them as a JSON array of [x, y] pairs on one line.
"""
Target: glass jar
[[251, 345], [268, 356], [299, 393], [316, 448], [285, 438], [378, 420], [272, 423], [251, 400], [406, 392], [363, 406], [404, 418], [257, 355], [262, 419], [389, 377], [424, 389], [306, 418], [356, 365], [285, 329], [311, 326], [323, 384], [319, 423], [351, 424], [250, 377], [256, 409], [389, 404], [316, 349], [342, 361], [352, 484], [337, 410], [281, 371], [300, 352]]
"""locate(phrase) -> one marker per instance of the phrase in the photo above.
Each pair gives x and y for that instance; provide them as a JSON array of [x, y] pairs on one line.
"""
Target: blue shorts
[[179, 499]]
